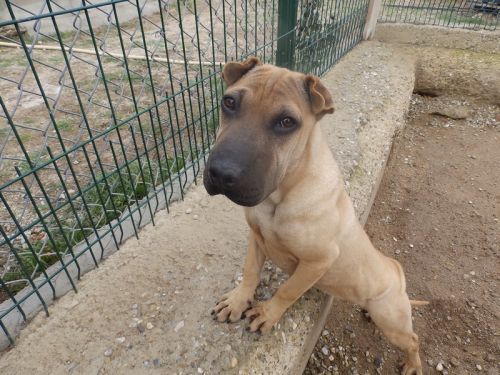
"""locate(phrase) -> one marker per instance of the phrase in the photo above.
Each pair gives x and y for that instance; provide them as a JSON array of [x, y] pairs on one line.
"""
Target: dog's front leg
[[265, 314], [236, 302]]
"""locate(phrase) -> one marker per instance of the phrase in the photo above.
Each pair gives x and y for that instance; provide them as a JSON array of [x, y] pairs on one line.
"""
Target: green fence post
[[287, 19]]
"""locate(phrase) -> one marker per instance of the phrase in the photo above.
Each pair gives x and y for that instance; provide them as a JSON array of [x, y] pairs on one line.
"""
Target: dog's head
[[267, 115]]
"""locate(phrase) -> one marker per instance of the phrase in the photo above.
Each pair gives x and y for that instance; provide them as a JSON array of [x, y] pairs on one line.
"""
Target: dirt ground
[[437, 212]]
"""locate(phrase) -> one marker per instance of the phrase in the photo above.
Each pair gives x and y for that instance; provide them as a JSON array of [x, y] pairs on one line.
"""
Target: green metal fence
[[466, 14], [108, 111]]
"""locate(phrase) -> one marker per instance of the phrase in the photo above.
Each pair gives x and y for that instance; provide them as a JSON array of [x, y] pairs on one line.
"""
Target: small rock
[[325, 350], [189, 210], [294, 326], [440, 367], [377, 361], [146, 364], [234, 362], [490, 357], [140, 327], [195, 217], [479, 368], [149, 325], [120, 340], [178, 326], [156, 362], [108, 352], [397, 251], [325, 332], [200, 370], [454, 362]]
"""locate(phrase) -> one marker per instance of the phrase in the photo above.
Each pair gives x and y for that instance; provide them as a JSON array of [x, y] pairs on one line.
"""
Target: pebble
[[149, 325], [479, 367], [325, 350], [377, 361], [140, 327], [234, 362], [156, 362], [188, 211], [397, 251], [178, 326], [108, 352], [120, 340], [440, 367], [195, 217], [200, 370], [455, 362]]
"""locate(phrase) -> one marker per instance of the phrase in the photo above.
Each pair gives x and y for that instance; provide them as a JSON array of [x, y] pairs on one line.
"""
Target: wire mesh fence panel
[[108, 110], [467, 14]]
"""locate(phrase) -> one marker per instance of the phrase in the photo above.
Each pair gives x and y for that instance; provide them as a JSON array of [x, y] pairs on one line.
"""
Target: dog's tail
[[418, 303]]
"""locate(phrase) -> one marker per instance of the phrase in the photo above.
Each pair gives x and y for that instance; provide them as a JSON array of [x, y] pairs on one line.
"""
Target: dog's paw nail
[[247, 329], [212, 312], [242, 316]]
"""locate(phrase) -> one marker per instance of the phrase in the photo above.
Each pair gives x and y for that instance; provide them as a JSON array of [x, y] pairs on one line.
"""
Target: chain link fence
[[466, 14], [108, 111]]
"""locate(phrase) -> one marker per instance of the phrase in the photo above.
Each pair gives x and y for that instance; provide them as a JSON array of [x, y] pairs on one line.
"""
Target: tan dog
[[271, 157]]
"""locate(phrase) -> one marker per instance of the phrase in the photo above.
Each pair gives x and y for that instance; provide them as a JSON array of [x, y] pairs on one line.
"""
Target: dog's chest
[[273, 236]]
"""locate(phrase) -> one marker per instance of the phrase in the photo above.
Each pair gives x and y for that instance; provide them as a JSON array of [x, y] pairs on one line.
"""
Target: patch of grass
[[65, 125]]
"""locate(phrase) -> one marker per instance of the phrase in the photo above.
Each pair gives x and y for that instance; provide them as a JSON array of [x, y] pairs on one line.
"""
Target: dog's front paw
[[263, 316], [233, 305]]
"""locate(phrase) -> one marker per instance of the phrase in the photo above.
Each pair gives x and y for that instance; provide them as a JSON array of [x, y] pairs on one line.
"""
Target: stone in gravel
[[479, 367], [234, 362], [454, 112], [156, 362], [325, 333], [454, 362], [149, 325], [108, 352], [141, 327], [178, 326], [439, 367], [325, 350], [189, 210], [200, 370], [490, 357], [195, 217], [377, 361], [120, 340]]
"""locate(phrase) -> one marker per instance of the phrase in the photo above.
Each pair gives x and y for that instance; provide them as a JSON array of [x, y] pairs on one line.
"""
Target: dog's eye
[[286, 123], [229, 102]]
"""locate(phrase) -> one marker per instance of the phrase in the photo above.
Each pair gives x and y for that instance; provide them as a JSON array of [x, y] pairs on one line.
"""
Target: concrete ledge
[[437, 36], [147, 307]]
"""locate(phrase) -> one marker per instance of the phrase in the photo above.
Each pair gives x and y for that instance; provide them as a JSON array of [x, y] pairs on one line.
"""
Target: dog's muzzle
[[224, 176]]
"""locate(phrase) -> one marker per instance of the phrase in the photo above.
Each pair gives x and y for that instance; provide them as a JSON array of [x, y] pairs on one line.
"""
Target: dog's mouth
[[243, 197]]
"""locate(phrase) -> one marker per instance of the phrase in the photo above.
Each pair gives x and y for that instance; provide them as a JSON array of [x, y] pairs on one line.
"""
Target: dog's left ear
[[234, 70], [320, 98]]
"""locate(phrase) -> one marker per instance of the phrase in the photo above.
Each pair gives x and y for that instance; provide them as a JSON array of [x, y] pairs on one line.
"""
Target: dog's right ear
[[234, 70]]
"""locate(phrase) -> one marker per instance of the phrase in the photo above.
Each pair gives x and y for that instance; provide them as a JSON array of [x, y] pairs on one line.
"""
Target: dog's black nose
[[224, 174]]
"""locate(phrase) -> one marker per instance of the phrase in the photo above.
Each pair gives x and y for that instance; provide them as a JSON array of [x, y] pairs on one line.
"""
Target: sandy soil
[[437, 212]]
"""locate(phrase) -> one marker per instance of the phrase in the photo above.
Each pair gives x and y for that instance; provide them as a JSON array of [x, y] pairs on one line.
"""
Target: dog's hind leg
[[237, 301], [392, 314]]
